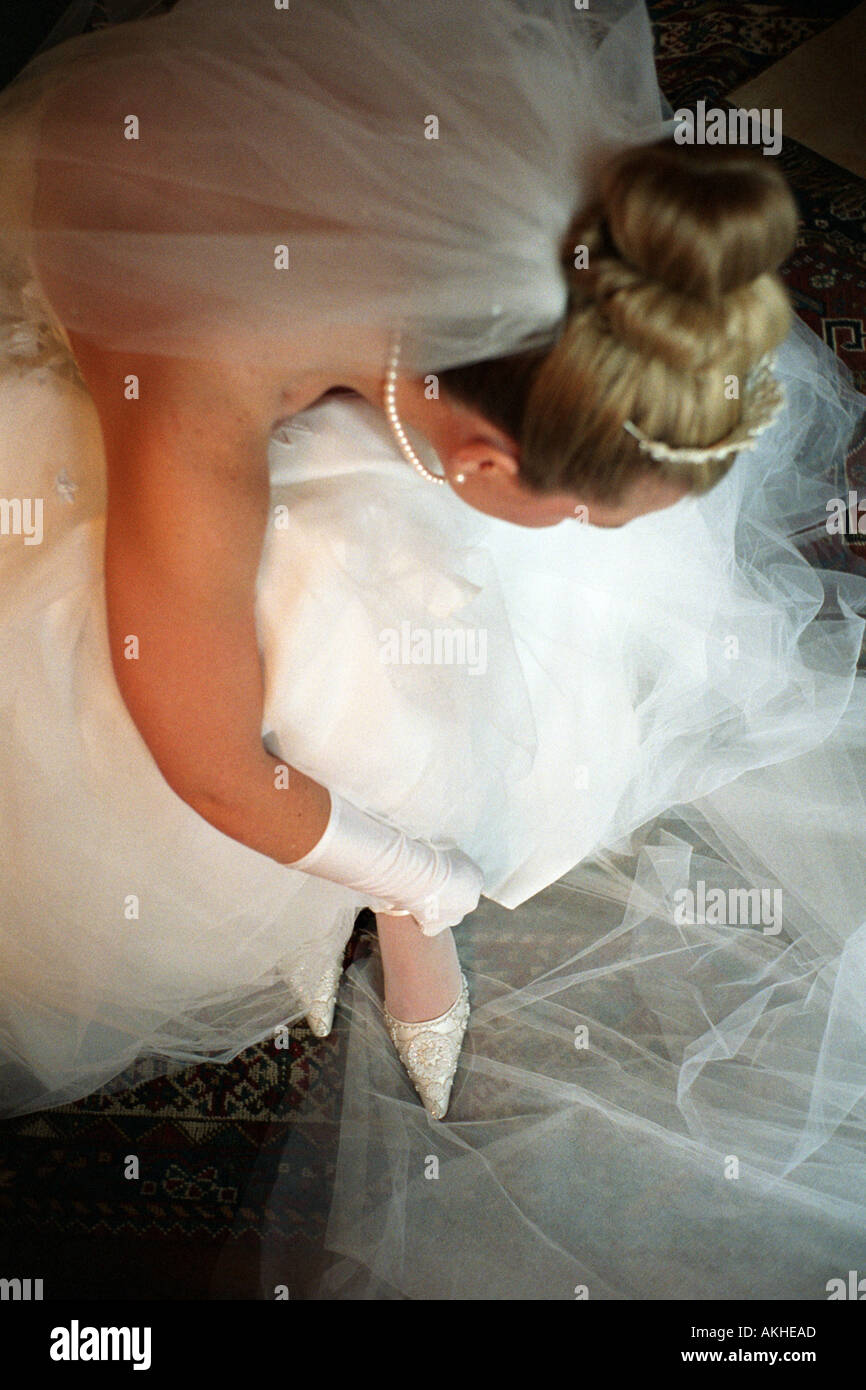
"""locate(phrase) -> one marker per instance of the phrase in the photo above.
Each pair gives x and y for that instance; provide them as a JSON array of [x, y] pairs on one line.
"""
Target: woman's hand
[[396, 873], [459, 894]]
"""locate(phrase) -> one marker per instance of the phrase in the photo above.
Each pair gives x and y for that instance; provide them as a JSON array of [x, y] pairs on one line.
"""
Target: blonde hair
[[678, 295]]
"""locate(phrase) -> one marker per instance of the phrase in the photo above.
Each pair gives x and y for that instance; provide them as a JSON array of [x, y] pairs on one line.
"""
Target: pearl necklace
[[394, 420], [397, 428]]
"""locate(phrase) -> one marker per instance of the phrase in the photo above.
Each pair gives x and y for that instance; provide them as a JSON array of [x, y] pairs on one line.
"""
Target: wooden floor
[[821, 91]]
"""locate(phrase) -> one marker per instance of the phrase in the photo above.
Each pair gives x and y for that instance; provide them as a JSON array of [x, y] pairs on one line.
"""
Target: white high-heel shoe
[[430, 1050], [320, 1015]]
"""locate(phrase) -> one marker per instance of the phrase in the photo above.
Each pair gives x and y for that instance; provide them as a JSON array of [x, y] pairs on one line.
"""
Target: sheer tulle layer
[[129, 926], [307, 178], [584, 679], [628, 1070], [640, 1091], [662, 1090], [666, 1052], [643, 1110], [647, 1106]]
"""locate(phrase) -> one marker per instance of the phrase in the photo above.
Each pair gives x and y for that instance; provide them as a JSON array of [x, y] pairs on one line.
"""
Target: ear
[[487, 455]]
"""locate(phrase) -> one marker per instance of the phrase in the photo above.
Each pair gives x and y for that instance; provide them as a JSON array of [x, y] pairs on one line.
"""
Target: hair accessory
[[394, 420], [763, 398]]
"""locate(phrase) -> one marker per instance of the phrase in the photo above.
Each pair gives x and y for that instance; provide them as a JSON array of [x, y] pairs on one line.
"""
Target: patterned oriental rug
[[210, 1139]]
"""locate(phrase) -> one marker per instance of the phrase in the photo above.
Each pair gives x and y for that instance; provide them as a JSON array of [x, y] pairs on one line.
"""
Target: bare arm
[[188, 503]]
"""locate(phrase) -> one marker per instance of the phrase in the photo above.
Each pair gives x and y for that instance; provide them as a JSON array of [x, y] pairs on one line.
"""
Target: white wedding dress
[[653, 742], [678, 697]]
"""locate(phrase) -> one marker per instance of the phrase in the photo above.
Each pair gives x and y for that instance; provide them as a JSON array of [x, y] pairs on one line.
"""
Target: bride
[[325, 324]]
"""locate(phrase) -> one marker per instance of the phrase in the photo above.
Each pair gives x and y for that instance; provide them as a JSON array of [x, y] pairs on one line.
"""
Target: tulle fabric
[[661, 1095], [644, 1111], [134, 937], [653, 1101], [311, 129], [674, 704], [598, 676]]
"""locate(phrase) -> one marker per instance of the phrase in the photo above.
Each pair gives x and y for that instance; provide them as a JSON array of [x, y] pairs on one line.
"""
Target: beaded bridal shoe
[[320, 1015], [430, 1050]]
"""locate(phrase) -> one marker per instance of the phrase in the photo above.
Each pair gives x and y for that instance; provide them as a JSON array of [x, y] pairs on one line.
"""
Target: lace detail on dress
[[31, 336]]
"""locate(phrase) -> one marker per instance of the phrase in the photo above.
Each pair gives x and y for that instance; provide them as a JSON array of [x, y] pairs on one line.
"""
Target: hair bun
[[683, 248], [702, 221]]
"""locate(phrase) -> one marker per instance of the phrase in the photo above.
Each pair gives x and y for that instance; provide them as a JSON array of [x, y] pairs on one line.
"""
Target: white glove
[[405, 876]]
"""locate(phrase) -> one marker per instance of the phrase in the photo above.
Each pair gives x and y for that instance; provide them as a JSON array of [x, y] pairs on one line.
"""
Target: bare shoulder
[[186, 449], [202, 415]]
